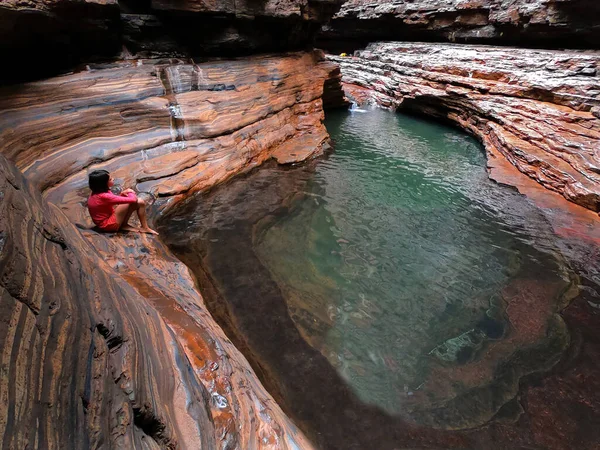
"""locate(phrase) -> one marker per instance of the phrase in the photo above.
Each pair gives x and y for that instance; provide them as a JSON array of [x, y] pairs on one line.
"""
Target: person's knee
[[141, 202]]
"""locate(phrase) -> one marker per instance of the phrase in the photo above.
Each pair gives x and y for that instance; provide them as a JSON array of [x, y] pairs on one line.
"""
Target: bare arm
[[113, 199]]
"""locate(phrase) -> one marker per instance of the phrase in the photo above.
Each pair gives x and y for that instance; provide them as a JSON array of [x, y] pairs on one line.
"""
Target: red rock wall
[[93, 356], [77, 370], [108, 334], [168, 128], [524, 23], [537, 108]]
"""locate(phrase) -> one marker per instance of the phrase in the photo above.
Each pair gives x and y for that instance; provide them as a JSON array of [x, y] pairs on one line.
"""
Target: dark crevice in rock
[[65, 34], [135, 6], [53, 237], [111, 341], [144, 416], [538, 24], [152, 426]]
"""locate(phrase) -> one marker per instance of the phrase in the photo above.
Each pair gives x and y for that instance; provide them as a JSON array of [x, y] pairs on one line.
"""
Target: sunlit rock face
[[51, 36], [533, 107], [166, 127], [525, 23]]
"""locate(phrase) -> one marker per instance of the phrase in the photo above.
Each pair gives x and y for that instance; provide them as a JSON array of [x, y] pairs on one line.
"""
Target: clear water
[[389, 282], [396, 262]]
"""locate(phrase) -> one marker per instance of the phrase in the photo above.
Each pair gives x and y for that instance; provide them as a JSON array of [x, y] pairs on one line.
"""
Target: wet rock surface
[[526, 23], [534, 107], [167, 127], [97, 354]]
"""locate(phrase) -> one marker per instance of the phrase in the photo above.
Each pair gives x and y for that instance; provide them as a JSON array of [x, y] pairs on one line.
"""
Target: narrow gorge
[[328, 274]]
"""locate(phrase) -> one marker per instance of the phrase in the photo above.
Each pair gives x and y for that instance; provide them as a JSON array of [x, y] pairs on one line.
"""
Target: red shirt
[[101, 205]]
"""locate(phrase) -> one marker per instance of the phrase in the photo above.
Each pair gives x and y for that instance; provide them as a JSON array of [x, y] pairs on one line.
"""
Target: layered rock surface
[[91, 359], [77, 370], [167, 127], [539, 109], [527, 23], [123, 347]]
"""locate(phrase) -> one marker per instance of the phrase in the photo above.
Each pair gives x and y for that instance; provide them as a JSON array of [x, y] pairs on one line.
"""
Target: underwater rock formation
[[526, 23], [534, 107], [124, 350]]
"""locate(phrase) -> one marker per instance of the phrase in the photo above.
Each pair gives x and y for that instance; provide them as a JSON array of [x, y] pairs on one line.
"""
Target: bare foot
[[130, 228], [148, 230]]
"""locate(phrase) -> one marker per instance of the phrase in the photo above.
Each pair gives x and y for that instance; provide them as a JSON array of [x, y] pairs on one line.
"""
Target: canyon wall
[[89, 362], [166, 127], [50, 36], [85, 364], [525, 23], [539, 109], [107, 341]]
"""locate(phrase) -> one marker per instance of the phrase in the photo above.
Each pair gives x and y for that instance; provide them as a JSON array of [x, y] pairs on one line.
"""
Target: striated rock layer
[[539, 23], [107, 342], [166, 127], [537, 108], [90, 360], [77, 367]]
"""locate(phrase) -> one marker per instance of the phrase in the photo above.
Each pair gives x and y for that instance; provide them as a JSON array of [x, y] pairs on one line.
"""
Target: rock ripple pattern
[[106, 342]]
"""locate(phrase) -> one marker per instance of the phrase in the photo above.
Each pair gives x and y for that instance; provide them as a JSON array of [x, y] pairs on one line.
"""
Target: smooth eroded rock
[[168, 127], [124, 349]]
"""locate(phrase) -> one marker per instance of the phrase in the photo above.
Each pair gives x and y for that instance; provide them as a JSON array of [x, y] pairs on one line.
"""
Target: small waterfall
[[172, 83], [355, 108], [175, 79]]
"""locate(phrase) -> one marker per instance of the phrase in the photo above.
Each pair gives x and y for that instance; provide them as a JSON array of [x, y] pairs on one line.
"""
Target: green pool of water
[[429, 290], [394, 265]]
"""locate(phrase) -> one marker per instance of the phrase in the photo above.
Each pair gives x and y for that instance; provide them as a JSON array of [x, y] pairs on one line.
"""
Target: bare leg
[[141, 212], [123, 213]]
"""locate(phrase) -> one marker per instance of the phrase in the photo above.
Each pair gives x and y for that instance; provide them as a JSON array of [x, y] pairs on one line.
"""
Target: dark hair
[[99, 181]]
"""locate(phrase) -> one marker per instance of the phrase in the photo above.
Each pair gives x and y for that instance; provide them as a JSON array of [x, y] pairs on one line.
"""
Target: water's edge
[[243, 320]]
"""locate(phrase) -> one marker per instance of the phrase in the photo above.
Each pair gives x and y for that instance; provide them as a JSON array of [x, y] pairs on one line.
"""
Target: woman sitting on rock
[[111, 212]]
